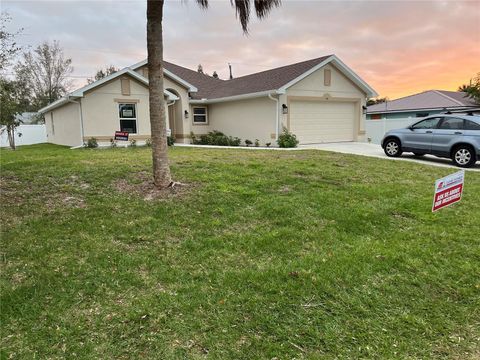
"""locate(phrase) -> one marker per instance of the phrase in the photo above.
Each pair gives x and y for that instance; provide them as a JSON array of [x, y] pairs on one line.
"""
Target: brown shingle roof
[[204, 83], [211, 88]]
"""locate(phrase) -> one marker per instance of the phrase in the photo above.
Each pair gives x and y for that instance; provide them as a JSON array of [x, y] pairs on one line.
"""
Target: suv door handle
[[458, 133], [428, 132]]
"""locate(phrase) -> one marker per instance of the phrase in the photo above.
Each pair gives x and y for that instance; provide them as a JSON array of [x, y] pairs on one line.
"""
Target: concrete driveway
[[374, 150]]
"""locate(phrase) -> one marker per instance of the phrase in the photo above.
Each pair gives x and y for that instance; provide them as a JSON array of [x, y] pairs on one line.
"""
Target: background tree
[[472, 89], [158, 123], [12, 103], [9, 47], [376, 101], [44, 72], [110, 69]]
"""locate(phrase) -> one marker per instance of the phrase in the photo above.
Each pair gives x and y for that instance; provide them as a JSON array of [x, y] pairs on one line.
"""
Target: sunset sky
[[398, 47]]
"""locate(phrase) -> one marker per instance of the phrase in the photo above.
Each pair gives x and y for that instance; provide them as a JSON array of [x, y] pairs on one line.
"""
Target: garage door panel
[[315, 121]]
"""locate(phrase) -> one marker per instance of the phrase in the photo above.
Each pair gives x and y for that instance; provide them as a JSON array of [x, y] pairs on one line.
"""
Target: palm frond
[[243, 9], [202, 3]]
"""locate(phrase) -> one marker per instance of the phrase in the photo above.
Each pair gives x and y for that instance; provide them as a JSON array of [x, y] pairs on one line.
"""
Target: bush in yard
[[92, 143], [194, 138], [218, 138], [170, 140], [234, 141], [287, 139]]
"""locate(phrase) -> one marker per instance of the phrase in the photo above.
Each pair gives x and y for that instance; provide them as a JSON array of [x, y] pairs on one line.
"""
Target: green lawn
[[263, 255]]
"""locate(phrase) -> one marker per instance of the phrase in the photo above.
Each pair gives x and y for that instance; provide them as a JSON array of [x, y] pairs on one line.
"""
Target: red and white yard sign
[[448, 190]]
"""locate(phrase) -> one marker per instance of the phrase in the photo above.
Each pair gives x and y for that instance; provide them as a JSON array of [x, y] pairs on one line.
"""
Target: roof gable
[[431, 99], [277, 79], [79, 93]]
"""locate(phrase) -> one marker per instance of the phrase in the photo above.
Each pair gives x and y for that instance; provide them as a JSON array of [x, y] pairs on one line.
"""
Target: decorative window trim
[[205, 115], [327, 77], [125, 86], [127, 101]]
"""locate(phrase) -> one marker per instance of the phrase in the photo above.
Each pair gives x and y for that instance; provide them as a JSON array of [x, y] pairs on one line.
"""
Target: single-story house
[[319, 100], [426, 103]]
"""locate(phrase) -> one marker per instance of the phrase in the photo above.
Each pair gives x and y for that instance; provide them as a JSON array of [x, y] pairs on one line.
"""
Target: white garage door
[[322, 121]]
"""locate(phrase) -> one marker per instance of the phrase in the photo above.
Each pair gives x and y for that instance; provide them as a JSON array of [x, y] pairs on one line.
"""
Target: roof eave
[[421, 109], [236, 97]]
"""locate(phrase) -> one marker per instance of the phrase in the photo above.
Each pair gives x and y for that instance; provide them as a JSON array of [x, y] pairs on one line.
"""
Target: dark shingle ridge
[[272, 79]]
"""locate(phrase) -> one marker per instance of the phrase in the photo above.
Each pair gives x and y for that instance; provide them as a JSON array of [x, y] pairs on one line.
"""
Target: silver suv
[[449, 136]]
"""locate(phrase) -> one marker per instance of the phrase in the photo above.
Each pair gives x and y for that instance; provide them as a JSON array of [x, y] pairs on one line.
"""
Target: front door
[[419, 139]]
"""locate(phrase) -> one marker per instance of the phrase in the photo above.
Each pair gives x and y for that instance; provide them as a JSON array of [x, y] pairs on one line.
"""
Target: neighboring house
[[320, 100], [423, 104]]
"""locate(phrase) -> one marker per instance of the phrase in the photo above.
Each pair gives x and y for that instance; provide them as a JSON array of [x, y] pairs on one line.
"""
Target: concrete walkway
[[375, 150]]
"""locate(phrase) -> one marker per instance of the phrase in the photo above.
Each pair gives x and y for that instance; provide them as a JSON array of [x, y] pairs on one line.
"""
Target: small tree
[[11, 105], [110, 69]]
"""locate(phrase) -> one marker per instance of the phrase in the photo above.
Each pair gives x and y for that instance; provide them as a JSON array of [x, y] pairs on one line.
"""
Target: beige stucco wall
[[247, 119], [181, 124], [66, 128], [340, 89], [100, 115], [100, 111]]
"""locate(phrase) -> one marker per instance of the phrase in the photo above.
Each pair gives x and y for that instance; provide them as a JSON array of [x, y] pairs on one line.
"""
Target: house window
[[419, 115], [200, 115], [128, 118]]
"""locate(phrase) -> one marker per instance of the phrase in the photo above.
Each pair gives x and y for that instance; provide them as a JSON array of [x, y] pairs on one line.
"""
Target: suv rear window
[[470, 125]]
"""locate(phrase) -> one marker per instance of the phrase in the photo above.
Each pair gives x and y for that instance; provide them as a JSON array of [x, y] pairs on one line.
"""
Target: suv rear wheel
[[463, 156], [392, 148]]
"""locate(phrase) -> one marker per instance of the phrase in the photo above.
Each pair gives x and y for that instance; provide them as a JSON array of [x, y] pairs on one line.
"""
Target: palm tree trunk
[[158, 119]]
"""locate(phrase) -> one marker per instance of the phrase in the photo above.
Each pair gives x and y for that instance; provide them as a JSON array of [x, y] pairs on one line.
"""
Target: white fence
[[375, 129], [26, 135]]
